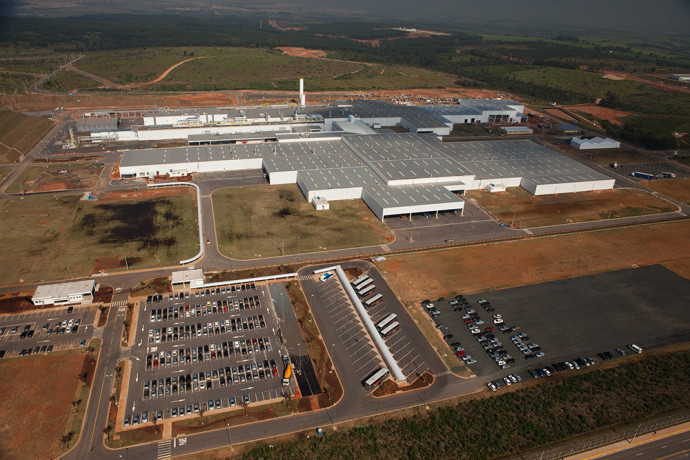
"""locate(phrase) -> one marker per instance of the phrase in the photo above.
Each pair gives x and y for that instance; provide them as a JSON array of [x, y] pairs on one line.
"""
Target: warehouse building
[[64, 293], [594, 143], [393, 173]]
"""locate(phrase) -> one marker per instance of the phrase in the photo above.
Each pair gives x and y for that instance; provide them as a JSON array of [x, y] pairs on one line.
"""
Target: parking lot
[[46, 330], [352, 342], [205, 350], [551, 325]]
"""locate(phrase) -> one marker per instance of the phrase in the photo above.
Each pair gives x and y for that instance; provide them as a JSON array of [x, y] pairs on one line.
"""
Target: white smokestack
[[302, 99]]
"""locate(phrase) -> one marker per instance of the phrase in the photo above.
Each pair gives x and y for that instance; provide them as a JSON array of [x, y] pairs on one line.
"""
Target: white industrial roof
[[64, 290], [413, 195], [186, 276]]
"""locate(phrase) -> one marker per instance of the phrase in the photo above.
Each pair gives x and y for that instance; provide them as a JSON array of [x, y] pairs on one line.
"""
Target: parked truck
[[643, 175], [287, 374]]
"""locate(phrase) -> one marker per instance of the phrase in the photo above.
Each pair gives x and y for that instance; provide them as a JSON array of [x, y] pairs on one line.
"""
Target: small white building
[[188, 279], [321, 203], [64, 293], [496, 188], [680, 76], [594, 143]]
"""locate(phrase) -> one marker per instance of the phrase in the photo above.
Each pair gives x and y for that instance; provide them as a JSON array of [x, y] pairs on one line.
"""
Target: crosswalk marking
[[164, 449], [119, 303]]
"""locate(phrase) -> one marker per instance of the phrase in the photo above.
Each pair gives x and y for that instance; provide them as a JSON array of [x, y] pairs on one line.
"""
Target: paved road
[[676, 446], [90, 443]]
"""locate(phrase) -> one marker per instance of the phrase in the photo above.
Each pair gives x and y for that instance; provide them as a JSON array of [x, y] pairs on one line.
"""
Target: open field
[[39, 401], [238, 68], [623, 155], [518, 207], [56, 177], [19, 133], [443, 273], [678, 189], [534, 414], [4, 172], [57, 237], [69, 81], [614, 116], [260, 221]]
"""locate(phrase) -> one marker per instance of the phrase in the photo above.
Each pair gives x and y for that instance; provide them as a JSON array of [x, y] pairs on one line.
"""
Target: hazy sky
[[646, 16]]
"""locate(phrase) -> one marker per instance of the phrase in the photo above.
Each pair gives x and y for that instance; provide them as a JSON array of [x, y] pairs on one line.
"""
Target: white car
[[326, 276]]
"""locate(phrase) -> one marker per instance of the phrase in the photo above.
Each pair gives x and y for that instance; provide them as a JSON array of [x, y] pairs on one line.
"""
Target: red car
[[460, 353], [489, 329]]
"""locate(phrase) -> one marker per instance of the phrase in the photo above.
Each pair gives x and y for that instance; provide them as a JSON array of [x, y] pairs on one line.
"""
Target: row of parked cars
[[207, 352], [207, 380], [507, 381], [189, 409], [211, 328], [34, 350], [210, 308]]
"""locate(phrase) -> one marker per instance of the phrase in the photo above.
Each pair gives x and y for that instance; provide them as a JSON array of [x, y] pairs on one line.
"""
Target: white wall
[[282, 177], [478, 184]]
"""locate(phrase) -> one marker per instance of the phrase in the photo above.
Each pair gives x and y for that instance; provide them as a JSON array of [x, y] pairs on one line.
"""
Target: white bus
[[366, 291], [390, 329], [386, 321], [373, 301], [363, 284], [359, 280], [375, 378]]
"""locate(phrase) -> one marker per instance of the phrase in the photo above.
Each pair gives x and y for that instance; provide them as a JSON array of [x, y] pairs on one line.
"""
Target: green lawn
[[261, 221], [57, 237]]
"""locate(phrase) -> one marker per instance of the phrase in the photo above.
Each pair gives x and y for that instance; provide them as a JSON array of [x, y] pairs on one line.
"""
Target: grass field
[[678, 189], [69, 81], [9, 83], [50, 177], [518, 207], [622, 156], [38, 413], [19, 133], [251, 68], [442, 273], [4, 172], [255, 222], [58, 237]]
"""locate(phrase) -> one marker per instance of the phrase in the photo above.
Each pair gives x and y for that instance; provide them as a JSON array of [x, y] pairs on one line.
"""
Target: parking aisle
[[204, 350]]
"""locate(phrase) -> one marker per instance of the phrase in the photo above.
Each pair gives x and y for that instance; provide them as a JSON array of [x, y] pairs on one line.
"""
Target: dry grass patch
[[518, 207], [678, 189], [260, 221], [19, 133], [38, 413], [426, 275]]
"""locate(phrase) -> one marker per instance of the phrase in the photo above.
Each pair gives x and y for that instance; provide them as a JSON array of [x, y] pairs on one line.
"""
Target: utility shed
[[515, 130], [64, 293], [321, 203], [188, 279], [594, 143]]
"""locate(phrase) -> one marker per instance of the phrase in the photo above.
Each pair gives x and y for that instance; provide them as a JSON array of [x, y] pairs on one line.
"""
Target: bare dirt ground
[[518, 207], [16, 303], [35, 417], [275, 25], [302, 52], [140, 194], [678, 189], [613, 116], [614, 75], [559, 114], [471, 269]]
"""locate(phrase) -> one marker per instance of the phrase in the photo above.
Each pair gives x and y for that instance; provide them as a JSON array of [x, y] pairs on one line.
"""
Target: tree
[[67, 438], [82, 377], [108, 429], [76, 404], [245, 406]]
